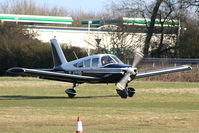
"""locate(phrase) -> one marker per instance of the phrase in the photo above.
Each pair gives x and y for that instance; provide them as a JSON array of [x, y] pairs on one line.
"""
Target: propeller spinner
[[122, 84]]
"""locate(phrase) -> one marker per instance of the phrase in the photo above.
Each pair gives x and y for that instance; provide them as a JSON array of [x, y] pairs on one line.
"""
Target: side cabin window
[[87, 63], [95, 62], [107, 60], [80, 64], [75, 65]]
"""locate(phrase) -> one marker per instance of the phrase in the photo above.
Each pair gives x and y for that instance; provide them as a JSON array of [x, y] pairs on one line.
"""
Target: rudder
[[57, 53]]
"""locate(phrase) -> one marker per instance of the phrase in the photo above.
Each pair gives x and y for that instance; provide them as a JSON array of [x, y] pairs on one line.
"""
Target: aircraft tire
[[71, 92], [131, 92], [122, 93]]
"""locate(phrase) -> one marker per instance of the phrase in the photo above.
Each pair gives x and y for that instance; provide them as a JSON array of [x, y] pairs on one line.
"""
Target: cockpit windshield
[[110, 59], [117, 59]]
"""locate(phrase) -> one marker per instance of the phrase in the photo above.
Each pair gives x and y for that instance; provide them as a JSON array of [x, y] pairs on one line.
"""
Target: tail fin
[[57, 53]]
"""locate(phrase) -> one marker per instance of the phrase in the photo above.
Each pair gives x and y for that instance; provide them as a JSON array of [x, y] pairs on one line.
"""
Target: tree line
[[19, 48], [186, 12]]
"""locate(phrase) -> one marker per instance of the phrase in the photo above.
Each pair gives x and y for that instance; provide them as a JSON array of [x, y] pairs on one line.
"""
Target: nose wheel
[[131, 92], [128, 92]]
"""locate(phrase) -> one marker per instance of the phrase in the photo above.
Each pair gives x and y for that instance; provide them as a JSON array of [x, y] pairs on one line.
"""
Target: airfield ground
[[40, 106]]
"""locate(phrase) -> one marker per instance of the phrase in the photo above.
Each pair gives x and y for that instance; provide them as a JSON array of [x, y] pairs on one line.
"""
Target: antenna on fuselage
[[88, 52], [75, 55]]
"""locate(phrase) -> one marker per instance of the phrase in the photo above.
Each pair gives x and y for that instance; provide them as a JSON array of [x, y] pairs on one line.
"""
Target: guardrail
[[171, 60], [174, 61], [168, 60]]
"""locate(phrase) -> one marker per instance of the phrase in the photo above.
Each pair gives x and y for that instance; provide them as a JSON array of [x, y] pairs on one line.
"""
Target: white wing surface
[[163, 71]]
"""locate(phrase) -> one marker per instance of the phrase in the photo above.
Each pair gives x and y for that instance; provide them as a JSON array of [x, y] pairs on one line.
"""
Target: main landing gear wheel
[[126, 92], [71, 92], [131, 92]]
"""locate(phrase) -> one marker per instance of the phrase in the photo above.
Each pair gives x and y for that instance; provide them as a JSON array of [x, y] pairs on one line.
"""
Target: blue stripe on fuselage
[[116, 66]]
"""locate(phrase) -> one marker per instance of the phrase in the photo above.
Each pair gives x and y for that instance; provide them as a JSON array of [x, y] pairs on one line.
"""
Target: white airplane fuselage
[[99, 65]]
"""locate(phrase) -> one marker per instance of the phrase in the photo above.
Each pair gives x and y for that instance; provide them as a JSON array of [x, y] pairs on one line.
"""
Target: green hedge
[[20, 49]]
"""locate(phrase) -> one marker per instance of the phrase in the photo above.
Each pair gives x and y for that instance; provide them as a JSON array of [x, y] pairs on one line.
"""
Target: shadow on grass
[[22, 97]]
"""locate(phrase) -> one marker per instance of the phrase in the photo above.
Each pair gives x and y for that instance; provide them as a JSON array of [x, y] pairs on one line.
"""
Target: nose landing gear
[[131, 92], [128, 92]]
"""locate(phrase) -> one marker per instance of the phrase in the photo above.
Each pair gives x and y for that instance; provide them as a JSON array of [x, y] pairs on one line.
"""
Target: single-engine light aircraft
[[99, 68]]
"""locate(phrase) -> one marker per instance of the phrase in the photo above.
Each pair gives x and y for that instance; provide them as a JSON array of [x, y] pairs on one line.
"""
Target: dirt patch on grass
[[163, 90], [32, 83]]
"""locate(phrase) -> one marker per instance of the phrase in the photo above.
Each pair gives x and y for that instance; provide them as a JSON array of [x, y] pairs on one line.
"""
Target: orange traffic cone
[[79, 125]]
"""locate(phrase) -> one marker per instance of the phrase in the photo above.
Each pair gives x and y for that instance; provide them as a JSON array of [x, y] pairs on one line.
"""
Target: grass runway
[[31, 105]]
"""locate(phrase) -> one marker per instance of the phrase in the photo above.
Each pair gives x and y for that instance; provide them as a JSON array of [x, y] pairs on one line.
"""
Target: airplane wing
[[59, 76], [163, 71]]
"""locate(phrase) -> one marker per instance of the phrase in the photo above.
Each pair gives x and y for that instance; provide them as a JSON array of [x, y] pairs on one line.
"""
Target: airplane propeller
[[130, 71], [137, 58]]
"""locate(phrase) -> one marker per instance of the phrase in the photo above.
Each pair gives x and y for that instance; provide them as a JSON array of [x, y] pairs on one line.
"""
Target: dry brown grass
[[164, 90], [188, 76]]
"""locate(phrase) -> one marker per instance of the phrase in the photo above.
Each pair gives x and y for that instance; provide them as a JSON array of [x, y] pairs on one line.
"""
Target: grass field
[[30, 105]]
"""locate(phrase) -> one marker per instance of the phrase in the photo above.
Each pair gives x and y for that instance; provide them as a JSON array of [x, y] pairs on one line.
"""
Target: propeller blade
[[126, 78], [137, 58], [122, 83]]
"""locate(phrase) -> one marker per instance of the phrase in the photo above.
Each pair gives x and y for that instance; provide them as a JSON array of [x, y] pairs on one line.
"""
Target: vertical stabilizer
[[57, 53]]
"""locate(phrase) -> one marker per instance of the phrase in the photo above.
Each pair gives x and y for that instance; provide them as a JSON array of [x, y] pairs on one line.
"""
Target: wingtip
[[188, 67], [15, 70]]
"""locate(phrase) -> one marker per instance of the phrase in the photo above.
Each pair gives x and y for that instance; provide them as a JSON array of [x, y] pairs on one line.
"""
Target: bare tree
[[151, 27], [160, 11], [121, 42], [166, 15], [189, 3], [115, 39], [29, 7], [80, 15]]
